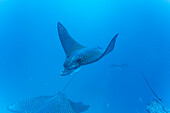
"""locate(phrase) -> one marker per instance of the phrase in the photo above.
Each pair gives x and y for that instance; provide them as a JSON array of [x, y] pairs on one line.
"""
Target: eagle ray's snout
[[66, 72]]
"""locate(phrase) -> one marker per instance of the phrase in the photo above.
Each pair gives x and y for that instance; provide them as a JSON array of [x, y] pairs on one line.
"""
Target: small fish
[[78, 55], [119, 66]]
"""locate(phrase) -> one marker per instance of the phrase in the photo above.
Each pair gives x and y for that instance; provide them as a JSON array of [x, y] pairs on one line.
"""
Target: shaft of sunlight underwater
[[31, 55]]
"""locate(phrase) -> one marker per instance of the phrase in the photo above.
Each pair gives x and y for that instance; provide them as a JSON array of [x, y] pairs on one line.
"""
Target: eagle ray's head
[[71, 64]]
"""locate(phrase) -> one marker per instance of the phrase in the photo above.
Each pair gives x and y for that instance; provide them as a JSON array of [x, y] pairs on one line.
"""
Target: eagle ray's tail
[[68, 83], [150, 86]]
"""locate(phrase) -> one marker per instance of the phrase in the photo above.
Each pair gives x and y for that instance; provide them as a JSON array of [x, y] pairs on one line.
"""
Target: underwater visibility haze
[[32, 56]]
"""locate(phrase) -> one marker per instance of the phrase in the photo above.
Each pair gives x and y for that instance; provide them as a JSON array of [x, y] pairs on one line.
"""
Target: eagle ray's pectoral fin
[[96, 54], [111, 45], [78, 107], [109, 48], [68, 43]]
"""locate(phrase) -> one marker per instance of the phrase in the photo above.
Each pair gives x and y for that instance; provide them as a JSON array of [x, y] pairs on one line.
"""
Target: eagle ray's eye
[[79, 61]]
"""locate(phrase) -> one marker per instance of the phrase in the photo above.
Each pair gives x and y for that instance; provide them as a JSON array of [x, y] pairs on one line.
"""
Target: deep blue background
[[31, 55]]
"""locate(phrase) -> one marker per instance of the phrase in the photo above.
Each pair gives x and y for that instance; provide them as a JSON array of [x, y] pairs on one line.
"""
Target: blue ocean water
[[31, 55]]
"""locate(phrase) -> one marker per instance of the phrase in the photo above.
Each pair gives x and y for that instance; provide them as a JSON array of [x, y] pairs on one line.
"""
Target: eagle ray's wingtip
[[116, 35], [59, 24]]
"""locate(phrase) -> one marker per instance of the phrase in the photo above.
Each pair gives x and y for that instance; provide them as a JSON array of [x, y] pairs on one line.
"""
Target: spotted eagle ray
[[58, 103], [155, 105], [77, 54]]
